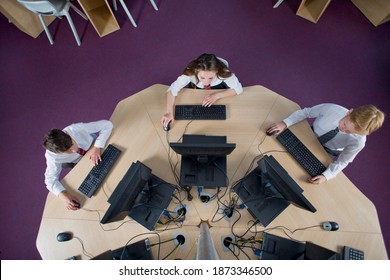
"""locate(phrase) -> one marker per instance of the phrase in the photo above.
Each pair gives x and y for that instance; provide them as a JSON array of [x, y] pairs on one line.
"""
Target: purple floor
[[342, 59]]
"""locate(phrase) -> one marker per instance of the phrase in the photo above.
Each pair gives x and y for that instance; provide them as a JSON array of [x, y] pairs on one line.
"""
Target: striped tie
[[328, 136]]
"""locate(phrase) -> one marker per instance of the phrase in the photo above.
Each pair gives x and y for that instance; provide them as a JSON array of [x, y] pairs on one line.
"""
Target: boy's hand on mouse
[[95, 155], [277, 126], [317, 179]]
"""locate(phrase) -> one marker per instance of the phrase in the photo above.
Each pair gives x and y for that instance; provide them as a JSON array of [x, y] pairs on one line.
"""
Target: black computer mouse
[[330, 226], [168, 127], [64, 236], [272, 132], [77, 204]]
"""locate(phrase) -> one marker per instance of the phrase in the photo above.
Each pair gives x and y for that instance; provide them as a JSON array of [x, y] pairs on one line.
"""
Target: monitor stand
[[263, 200], [151, 202], [279, 248], [206, 171]]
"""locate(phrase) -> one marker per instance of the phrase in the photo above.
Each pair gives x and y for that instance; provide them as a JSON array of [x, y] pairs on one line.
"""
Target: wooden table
[[138, 132]]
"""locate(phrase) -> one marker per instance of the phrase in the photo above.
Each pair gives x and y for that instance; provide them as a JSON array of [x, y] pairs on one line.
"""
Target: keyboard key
[[353, 253]]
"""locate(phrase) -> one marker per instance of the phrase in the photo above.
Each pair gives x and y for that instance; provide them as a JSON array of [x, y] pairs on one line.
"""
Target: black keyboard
[[301, 153], [199, 112], [97, 174], [353, 254]]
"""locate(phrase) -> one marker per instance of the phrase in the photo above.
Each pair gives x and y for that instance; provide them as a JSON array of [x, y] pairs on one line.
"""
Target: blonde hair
[[366, 119]]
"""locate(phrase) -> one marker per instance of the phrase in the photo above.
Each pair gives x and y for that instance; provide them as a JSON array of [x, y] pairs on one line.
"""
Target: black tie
[[328, 136]]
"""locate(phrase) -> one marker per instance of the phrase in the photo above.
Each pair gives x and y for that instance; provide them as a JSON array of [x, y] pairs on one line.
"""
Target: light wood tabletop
[[139, 134]]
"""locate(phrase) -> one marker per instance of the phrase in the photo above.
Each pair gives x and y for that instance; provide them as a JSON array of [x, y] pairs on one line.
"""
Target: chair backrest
[[42, 7]]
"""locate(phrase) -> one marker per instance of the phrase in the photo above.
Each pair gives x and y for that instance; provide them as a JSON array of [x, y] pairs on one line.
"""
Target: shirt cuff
[[174, 93], [328, 175], [58, 190], [288, 122]]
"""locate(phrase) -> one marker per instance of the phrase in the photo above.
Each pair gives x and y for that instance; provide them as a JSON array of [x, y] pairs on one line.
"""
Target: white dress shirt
[[327, 117], [83, 134], [183, 80]]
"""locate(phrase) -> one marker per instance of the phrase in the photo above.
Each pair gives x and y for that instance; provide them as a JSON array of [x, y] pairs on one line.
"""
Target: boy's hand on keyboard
[[317, 179], [95, 155]]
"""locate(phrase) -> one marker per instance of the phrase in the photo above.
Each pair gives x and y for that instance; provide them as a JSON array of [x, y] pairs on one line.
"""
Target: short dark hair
[[57, 141]]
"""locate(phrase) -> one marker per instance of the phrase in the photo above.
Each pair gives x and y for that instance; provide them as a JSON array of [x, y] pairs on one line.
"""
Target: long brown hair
[[207, 62]]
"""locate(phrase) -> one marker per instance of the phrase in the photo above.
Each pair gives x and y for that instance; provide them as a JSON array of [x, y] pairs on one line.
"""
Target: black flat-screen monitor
[[279, 248], [139, 250], [140, 195], [268, 190], [317, 252], [203, 160]]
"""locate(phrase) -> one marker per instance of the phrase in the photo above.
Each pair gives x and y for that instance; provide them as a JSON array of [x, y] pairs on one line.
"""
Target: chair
[[127, 10], [278, 3], [57, 8]]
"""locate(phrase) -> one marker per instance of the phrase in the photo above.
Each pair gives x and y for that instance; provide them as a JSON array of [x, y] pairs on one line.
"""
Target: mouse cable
[[145, 233], [174, 171], [99, 218], [285, 230], [185, 130], [162, 242], [248, 230], [266, 152], [179, 199], [234, 254], [240, 249], [174, 249], [261, 143], [85, 253], [178, 223], [174, 166]]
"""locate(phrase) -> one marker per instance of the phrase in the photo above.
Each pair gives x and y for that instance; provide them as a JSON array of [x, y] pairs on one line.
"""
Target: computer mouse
[[76, 203], [272, 132], [64, 236], [330, 226], [168, 127]]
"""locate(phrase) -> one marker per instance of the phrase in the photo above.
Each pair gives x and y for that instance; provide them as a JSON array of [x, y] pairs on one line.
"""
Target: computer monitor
[[273, 172], [317, 252], [268, 190], [140, 195], [139, 250], [279, 248], [203, 160]]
